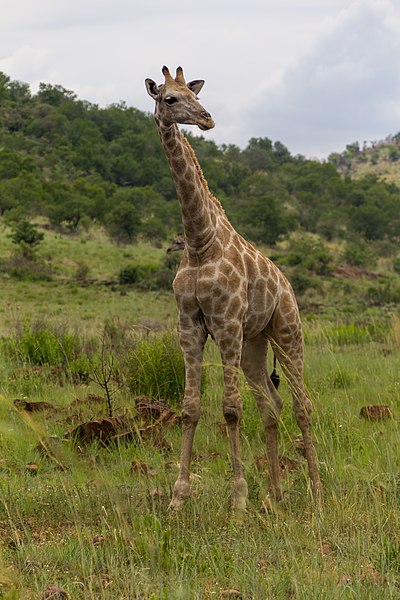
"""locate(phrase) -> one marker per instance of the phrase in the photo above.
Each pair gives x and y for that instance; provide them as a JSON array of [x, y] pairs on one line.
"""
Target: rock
[[54, 592], [156, 410], [99, 429], [231, 594], [31, 468], [33, 406], [376, 412]]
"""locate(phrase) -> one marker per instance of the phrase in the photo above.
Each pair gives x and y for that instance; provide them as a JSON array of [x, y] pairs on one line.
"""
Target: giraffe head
[[176, 101]]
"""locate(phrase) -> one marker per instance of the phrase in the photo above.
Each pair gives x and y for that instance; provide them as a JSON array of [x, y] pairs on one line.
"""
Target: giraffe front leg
[[192, 342], [230, 345]]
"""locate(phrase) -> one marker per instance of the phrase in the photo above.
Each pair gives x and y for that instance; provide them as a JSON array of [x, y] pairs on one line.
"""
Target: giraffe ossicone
[[226, 288]]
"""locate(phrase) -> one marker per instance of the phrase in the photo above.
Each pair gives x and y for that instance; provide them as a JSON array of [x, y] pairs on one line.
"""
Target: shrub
[[302, 282], [147, 277], [128, 275], [358, 254], [156, 367], [39, 344], [396, 265], [82, 273], [26, 233], [308, 253], [385, 292], [22, 267]]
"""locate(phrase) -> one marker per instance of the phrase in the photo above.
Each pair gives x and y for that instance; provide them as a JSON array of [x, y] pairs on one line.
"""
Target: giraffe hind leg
[[291, 358], [269, 403]]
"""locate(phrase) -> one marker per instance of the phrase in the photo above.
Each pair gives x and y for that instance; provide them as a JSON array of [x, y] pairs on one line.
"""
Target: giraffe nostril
[[206, 115]]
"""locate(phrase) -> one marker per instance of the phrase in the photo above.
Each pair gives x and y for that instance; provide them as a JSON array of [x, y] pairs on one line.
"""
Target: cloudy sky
[[313, 74]]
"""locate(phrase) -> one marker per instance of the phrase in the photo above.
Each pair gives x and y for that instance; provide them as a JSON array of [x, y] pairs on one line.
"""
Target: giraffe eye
[[170, 100]]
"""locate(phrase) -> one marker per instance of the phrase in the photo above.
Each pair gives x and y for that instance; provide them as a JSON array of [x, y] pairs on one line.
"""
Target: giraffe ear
[[152, 88], [196, 85]]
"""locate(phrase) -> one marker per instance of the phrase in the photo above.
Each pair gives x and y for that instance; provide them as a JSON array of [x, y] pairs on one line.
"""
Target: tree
[[123, 223], [54, 94], [27, 237], [393, 153], [4, 87], [259, 154], [263, 215]]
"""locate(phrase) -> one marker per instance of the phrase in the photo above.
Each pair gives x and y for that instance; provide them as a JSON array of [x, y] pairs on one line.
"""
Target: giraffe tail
[[275, 375]]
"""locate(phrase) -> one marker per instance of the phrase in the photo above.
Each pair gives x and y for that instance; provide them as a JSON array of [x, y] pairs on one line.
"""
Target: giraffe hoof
[[176, 505], [266, 507], [318, 494], [239, 506], [180, 494], [240, 493], [270, 503]]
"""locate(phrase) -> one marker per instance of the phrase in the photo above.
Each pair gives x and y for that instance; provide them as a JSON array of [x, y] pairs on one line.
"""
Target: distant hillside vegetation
[[76, 163], [379, 158]]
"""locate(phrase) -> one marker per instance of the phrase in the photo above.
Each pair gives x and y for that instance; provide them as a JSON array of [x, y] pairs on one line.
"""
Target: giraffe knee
[[270, 409], [303, 410], [232, 413], [190, 412]]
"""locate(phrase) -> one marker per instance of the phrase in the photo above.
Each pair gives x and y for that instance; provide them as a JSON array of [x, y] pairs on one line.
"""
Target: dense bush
[[40, 344], [358, 254], [155, 367], [309, 253], [396, 265], [302, 282], [147, 277], [384, 292], [74, 162], [26, 233], [128, 275], [30, 268], [150, 363]]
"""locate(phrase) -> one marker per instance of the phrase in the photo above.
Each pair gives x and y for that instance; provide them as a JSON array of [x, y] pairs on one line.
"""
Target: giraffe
[[177, 244], [226, 288]]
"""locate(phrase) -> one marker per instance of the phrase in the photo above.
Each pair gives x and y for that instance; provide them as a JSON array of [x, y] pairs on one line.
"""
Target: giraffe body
[[226, 288]]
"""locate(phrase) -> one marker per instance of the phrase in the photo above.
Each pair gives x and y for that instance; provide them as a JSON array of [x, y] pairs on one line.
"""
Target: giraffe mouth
[[205, 125]]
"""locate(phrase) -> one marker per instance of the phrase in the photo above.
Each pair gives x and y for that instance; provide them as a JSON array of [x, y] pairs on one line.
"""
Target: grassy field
[[94, 519], [83, 302]]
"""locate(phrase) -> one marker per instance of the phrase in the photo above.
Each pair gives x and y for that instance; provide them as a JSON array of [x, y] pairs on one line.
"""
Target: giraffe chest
[[217, 290], [225, 290]]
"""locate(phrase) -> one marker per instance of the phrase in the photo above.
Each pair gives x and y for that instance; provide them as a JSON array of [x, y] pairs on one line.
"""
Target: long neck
[[198, 207]]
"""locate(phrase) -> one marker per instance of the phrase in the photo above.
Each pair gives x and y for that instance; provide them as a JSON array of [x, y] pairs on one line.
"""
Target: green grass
[[101, 530], [82, 306]]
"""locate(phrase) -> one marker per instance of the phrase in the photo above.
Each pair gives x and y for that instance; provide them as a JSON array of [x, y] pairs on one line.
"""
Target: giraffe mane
[[201, 175]]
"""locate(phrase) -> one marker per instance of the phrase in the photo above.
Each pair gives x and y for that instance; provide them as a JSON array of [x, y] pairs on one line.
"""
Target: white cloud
[[28, 61], [315, 75], [345, 88]]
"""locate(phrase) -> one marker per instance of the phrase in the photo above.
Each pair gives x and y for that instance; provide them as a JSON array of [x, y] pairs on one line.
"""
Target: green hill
[[76, 164], [381, 159]]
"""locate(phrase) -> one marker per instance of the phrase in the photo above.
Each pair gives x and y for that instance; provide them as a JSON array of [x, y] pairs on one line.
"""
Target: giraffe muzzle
[[207, 123]]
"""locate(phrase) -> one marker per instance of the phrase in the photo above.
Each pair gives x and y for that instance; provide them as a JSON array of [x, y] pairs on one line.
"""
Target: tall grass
[[342, 333], [155, 367], [90, 521], [102, 530]]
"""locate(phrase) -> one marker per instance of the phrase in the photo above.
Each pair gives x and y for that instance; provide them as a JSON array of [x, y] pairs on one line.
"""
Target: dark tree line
[[77, 163]]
